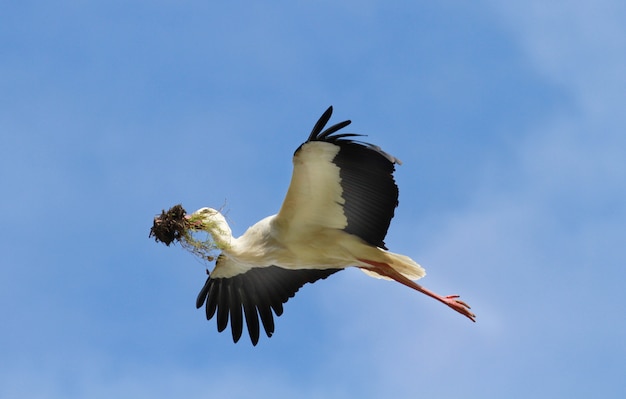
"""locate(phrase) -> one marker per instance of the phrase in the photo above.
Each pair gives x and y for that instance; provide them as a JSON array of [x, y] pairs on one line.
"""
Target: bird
[[335, 215]]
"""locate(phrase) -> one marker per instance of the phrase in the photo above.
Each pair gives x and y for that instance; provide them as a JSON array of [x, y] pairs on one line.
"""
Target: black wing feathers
[[321, 122], [335, 128], [369, 191], [254, 294]]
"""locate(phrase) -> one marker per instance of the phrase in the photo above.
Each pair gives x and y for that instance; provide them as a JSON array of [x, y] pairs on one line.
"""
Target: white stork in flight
[[336, 214]]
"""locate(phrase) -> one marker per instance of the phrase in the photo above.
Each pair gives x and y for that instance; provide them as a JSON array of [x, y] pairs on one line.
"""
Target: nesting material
[[174, 225]]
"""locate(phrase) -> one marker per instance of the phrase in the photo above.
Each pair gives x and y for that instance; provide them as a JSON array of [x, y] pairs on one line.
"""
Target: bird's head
[[214, 223]]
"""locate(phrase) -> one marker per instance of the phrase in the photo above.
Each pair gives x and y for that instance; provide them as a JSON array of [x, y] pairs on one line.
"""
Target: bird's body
[[335, 215], [265, 244]]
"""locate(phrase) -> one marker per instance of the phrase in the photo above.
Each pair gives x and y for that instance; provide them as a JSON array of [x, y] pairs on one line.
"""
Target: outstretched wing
[[339, 182], [253, 294]]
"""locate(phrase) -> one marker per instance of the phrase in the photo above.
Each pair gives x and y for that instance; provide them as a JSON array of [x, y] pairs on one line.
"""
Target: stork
[[336, 213]]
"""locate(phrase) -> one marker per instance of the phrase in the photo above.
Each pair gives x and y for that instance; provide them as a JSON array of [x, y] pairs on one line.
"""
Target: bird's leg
[[450, 300]]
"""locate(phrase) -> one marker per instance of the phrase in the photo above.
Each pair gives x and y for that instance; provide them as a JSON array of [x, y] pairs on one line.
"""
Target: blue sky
[[509, 118]]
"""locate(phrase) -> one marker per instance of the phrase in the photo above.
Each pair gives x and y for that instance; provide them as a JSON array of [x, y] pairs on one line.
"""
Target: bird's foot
[[459, 306]]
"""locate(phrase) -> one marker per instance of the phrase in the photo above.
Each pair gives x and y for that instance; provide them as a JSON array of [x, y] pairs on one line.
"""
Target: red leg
[[451, 300]]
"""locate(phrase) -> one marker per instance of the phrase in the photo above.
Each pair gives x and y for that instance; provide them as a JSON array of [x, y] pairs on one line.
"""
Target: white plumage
[[335, 215]]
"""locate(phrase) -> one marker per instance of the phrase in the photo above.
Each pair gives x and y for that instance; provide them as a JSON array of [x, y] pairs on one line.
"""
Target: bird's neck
[[219, 229]]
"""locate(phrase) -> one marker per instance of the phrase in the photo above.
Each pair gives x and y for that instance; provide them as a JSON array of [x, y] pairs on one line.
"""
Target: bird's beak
[[195, 222]]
